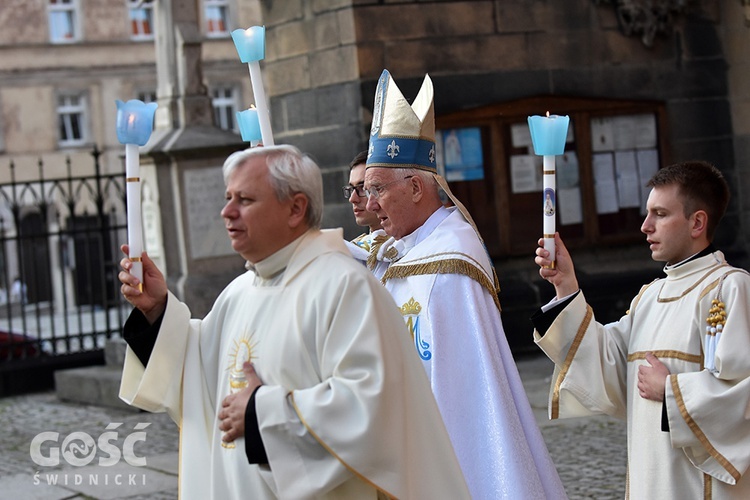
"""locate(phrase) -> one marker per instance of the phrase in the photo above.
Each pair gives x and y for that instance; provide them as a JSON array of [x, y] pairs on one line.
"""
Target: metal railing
[[59, 293]]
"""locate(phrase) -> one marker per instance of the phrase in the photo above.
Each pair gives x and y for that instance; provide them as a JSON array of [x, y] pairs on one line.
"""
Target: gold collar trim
[[690, 288]]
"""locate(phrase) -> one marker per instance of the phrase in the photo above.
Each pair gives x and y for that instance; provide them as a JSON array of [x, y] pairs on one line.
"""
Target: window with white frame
[[63, 21], [224, 100], [141, 14], [71, 116], [217, 13]]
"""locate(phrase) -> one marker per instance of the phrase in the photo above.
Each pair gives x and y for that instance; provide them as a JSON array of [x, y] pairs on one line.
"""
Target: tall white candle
[[550, 206], [135, 226], [264, 117]]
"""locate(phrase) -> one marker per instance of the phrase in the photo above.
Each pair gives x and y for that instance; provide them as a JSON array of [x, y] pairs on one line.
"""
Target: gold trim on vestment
[[667, 353], [555, 404], [691, 287], [377, 242], [334, 454], [699, 433], [444, 266], [640, 294], [707, 489], [132, 179]]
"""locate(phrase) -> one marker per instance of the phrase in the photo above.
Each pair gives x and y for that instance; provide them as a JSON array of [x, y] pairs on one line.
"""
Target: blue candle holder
[[249, 125], [548, 134], [250, 43], [135, 121]]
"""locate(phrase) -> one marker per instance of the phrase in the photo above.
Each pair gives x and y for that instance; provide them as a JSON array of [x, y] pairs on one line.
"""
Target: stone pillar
[[182, 166]]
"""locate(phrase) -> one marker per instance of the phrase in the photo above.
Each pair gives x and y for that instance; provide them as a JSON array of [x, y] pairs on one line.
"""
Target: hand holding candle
[[251, 47], [548, 135], [134, 124]]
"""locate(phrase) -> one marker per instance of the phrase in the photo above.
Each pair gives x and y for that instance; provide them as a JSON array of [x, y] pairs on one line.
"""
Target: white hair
[[289, 172]]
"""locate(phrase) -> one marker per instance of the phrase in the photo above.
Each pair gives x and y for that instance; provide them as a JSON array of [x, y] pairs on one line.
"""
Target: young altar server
[[676, 366]]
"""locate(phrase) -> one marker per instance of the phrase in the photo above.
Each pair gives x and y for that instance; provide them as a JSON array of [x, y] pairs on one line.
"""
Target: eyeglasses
[[359, 189], [377, 191]]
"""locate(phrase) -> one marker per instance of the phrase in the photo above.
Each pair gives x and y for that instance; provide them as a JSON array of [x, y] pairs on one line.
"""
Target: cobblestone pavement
[[589, 452]]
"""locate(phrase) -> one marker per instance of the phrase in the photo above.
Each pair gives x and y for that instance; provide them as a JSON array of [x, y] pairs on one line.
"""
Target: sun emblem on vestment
[[393, 149], [242, 351]]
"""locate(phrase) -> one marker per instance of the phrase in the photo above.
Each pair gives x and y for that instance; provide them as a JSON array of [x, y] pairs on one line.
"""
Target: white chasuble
[[345, 410], [445, 288], [706, 452]]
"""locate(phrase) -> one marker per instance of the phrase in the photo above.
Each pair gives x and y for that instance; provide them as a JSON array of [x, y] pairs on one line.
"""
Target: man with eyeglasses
[[355, 192], [443, 281]]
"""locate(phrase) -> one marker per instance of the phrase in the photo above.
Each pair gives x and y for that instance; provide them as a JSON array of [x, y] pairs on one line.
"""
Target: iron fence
[[59, 293]]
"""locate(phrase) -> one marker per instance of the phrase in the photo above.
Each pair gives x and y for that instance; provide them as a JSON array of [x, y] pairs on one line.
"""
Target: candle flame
[[252, 106], [547, 114]]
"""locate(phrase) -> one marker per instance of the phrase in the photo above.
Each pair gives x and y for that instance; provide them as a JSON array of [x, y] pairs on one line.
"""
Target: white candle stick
[[135, 229], [264, 117], [550, 196]]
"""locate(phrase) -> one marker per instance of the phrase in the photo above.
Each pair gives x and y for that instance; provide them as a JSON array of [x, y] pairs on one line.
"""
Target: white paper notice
[[605, 187], [623, 131], [567, 170], [645, 131], [526, 173], [602, 138], [520, 135], [648, 164], [569, 206], [628, 186]]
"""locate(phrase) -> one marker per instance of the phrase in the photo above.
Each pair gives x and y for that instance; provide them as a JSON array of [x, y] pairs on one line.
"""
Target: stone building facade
[[493, 62]]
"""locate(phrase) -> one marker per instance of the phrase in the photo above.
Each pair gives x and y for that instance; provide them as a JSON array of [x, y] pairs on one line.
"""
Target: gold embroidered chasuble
[[705, 453], [444, 285], [345, 410]]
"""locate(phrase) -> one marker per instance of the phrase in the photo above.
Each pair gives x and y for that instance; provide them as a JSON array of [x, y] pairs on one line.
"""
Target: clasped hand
[[232, 415]]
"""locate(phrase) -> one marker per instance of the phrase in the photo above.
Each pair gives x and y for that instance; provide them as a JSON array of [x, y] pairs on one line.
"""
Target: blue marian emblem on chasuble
[[410, 311]]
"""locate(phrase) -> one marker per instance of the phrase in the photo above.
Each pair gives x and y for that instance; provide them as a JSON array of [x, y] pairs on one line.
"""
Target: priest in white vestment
[[441, 277], [300, 383], [677, 365]]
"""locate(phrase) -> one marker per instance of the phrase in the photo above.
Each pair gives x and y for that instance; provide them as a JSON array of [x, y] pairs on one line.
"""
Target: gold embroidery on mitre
[[410, 307]]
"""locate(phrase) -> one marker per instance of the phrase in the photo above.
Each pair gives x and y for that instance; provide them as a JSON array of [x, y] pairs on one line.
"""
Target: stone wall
[[325, 57], [735, 30]]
